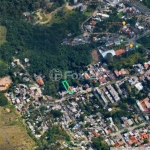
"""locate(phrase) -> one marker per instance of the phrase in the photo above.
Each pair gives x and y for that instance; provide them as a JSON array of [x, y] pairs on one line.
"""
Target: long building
[[99, 92]]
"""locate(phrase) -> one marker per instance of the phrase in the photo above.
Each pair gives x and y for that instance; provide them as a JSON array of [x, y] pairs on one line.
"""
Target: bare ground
[[95, 56], [4, 81]]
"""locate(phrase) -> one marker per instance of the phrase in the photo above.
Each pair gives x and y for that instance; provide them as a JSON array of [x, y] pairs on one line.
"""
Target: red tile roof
[[102, 79], [86, 76], [120, 51], [95, 134], [93, 23], [40, 81], [146, 65]]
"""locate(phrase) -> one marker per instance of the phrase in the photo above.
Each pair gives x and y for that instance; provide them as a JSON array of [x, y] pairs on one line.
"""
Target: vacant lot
[[4, 82], [95, 56], [13, 134], [3, 31]]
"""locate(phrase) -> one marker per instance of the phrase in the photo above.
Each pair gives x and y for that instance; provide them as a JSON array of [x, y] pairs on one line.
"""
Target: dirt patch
[[95, 56], [69, 7], [4, 83], [7, 110]]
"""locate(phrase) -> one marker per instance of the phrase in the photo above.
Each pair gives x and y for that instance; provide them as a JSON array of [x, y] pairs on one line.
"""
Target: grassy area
[[120, 15], [13, 132], [129, 60], [3, 31], [61, 15], [44, 18]]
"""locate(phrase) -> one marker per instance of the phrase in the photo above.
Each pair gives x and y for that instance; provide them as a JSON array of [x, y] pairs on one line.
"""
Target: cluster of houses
[[137, 137], [22, 96], [144, 105], [99, 73], [82, 39]]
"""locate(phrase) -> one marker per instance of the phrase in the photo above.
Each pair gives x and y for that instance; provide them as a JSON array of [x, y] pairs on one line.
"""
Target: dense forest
[[147, 3], [40, 43]]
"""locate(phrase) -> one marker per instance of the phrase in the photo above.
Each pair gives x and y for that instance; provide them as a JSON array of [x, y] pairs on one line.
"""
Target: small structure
[[39, 80]]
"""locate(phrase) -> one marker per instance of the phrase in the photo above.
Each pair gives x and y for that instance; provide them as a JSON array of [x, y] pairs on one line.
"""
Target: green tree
[[3, 69], [3, 100], [109, 58], [56, 113]]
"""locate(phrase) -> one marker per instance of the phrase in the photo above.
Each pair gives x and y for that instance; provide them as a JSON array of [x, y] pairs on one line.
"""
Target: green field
[[43, 17], [61, 15], [120, 15], [13, 134], [3, 31]]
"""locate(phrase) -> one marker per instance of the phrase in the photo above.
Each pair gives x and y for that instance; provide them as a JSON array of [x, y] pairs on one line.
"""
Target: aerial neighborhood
[[110, 104]]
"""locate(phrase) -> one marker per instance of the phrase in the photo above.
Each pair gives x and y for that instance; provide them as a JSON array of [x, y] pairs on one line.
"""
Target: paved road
[[94, 13], [129, 128], [133, 40]]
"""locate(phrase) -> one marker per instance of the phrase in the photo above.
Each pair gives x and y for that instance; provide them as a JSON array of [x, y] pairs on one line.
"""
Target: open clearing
[[13, 134], [60, 14], [4, 81], [3, 31], [95, 56]]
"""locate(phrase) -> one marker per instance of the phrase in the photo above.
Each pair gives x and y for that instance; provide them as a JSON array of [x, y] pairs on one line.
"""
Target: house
[[27, 14], [88, 27], [93, 23], [102, 80], [94, 38], [130, 122], [95, 134], [121, 72], [144, 104], [39, 80], [26, 60], [109, 44], [139, 86], [133, 80], [117, 42], [83, 8], [103, 15], [75, 2], [86, 76]]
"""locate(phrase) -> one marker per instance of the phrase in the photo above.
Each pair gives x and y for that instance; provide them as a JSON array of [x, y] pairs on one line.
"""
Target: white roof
[[104, 15], [109, 51], [109, 109], [140, 27], [139, 86]]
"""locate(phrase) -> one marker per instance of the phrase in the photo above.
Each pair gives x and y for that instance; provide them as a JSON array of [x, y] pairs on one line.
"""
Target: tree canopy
[[3, 100]]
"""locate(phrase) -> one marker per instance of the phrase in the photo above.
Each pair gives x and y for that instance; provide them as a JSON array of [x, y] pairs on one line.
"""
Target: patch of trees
[[42, 44], [146, 2], [54, 135], [56, 113], [3, 69], [3, 100], [48, 5], [99, 144], [145, 41], [127, 59]]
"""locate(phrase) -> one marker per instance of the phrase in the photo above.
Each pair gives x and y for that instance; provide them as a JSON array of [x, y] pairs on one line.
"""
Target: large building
[[144, 104]]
